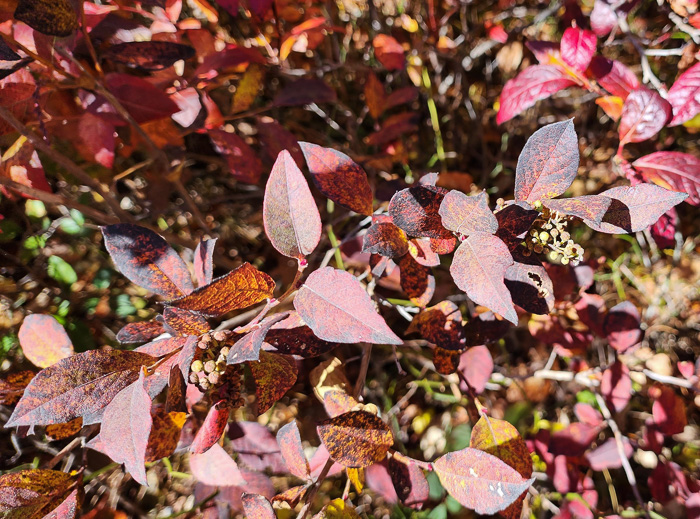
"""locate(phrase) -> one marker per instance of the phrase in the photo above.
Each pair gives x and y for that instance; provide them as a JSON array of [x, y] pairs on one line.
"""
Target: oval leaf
[[212, 428], [292, 451], [44, 342], [467, 214], [256, 506], [51, 17], [336, 307], [684, 96], [644, 113], [216, 468], [291, 218], [673, 170], [578, 47], [356, 439], [274, 375], [416, 210]]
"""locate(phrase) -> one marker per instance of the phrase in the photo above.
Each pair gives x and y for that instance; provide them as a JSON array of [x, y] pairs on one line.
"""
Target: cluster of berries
[[209, 369], [551, 233]]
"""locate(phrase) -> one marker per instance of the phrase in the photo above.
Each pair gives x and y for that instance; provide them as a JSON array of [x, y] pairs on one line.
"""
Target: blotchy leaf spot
[[291, 218], [165, 433], [80, 385], [417, 281], [635, 208], [216, 468], [445, 361], [356, 439], [184, 322], [240, 288], [204, 261], [274, 375], [467, 214], [145, 331], [532, 84], [12, 386], [256, 506], [212, 428], [336, 307], [289, 441], [34, 492], [440, 324], [147, 260], [44, 342], [385, 239], [644, 113], [479, 267], [587, 207], [548, 163], [480, 481], [684, 96], [126, 426], [51, 17], [148, 55], [673, 170], [416, 211], [338, 177]]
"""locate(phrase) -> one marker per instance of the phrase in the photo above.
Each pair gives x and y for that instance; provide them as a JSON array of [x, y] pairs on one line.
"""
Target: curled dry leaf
[[289, 441], [291, 218], [80, 385], [356, 439], [338, 177], [336, 307], [147, 260], [480, 481], [479, 268], [548, 163], [467, 214], [43, 340], [240, 288], [204, 261]]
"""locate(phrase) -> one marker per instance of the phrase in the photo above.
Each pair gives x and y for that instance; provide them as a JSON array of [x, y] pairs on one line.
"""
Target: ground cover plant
[[349, 259]]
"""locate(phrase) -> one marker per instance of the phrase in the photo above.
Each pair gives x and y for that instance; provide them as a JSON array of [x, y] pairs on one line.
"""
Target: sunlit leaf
[[416, 211], [204, 261], [356, 439], [385, 239], [34, 493], [467, 214], [256, 506], [44, 342], [212, 428], [274, 375], [672, 170], [684, 96], [216, 468], [644, 113], [577, 47], [289, 441]]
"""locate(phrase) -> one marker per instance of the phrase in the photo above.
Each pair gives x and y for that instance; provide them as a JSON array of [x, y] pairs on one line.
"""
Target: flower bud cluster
[[550, 233], [209, 369]]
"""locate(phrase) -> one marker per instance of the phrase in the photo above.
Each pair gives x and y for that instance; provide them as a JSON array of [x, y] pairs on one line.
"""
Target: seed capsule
[[210, 366], [565, 236], [214, 378], [565, 261], [544, 236], [225, 351], [220, 335], [204, 384], [197, 366], [539, 248], [194, 378]]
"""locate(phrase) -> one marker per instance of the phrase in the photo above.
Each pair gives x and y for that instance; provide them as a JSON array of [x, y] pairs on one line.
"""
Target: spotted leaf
[[467, 214], [356, 439]]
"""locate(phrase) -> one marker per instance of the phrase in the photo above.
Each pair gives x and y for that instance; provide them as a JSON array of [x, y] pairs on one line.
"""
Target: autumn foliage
[[252, 267]]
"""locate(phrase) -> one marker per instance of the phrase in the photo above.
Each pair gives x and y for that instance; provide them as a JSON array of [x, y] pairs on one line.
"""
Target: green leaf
[[61, 271]]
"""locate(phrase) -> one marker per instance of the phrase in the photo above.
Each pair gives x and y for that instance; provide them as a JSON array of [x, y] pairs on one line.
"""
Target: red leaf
[[216, 468], [386, 239], [80, 385], [672, 170], [546, 52], [635, 208], [274, 138], [613, 76], [532, 84], [244, 164], [356, 439], [480, 481], [126, 426], [668, 410], [35, 493], [337, 308], [274, 375], [256, 447], [607, 455], [44, 342], [644, 113], [305, 91], [530, 286], [291, 218], [417, 281], [441, 325], [238, 289], [212, 428], [578, 47], [411, 486], [338, 177], [420, 250], [96, 139], [204, 262], [587, 414], [183, 322], [478, 268], [603, 18], [145, 331], [147, 260], [256, 506], [574, 439], [248, 348], [684, 96], [548, 163], [416, 210], [586, 207], [388, 52], [148, 55], [17, 95], [142, 100], [622, 326], [616, 386], [514, 220], [467, 214], [476, 364], [289, 441]]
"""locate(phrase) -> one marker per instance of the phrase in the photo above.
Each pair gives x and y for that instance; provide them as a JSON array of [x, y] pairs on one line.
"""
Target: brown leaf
[[336, 307], [338, 177], [61, 431], [274, 375], [292, 451], [44, 342], [248, 88], [165, 433], [147, 260], [291, 218], [213, 427], [184, 323], [238, 289], [417, 281], [148, 55], [416, 211], [386, 239], [446, 361], [81, 385], [51, 17], [442, 325], [35, 493], [12, 386], [356, 439], [375, 97], [145, 331], [480, 481], [298, 340]]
